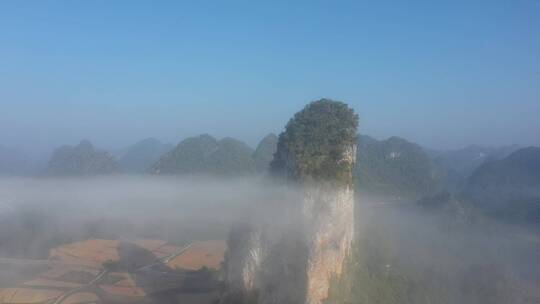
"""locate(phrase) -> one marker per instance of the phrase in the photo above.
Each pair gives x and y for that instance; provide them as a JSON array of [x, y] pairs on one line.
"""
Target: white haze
[[36, 214], [39, 214]]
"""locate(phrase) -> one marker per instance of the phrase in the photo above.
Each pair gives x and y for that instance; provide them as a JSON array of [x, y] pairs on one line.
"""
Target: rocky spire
[[294, 264]]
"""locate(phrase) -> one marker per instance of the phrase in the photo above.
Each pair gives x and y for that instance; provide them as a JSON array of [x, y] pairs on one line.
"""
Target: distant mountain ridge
[[140, 156], [395, 166], [264, 153], [206, 155], [509, 187], [459, 164], [81, 160]]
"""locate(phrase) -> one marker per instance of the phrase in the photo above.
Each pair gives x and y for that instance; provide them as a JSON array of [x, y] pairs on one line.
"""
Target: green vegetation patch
[[314, 143]]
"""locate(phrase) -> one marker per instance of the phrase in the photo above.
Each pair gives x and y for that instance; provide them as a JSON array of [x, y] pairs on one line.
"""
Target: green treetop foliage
[[315, 141]]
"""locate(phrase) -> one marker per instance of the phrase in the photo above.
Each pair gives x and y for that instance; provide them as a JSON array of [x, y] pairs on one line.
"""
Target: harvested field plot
[[208, 254], [91, 252], [82, 297], [44, 283], [150, 245], [71, 273], [165, 250], [123, 291], [28, 295], [76, 273]]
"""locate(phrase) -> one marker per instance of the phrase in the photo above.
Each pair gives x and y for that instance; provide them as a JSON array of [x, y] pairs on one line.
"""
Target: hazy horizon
[[40, 154], [443, 76]]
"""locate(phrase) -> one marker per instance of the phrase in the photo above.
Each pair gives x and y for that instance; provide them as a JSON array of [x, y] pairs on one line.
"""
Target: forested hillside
[[81, 160], [140, 156], [264, 153], [458, 165], [395, 167], [206, 155], [508, 188]]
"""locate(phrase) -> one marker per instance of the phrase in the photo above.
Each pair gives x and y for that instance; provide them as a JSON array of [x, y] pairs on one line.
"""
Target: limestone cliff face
[[245, 259], [330, 215], [289, 254]]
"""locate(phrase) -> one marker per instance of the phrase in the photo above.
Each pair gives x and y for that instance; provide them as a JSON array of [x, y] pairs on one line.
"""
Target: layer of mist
[[37, 214], [409, 253]]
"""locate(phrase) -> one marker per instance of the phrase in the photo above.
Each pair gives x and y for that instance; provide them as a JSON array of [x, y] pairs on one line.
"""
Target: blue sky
[[441, 74]]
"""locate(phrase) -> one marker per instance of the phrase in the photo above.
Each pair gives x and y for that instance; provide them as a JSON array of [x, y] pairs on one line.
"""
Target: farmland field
[[201, 254], [77, 273]]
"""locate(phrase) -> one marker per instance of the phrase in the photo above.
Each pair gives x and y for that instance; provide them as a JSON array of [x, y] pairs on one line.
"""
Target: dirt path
[[166, 259], [86, 287], [103, 273]]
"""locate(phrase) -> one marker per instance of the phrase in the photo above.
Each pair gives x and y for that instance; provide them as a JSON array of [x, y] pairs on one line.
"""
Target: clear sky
[[444, 75]]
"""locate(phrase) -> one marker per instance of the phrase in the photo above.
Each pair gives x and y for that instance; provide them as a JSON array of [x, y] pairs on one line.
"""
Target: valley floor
[[112, 271]]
